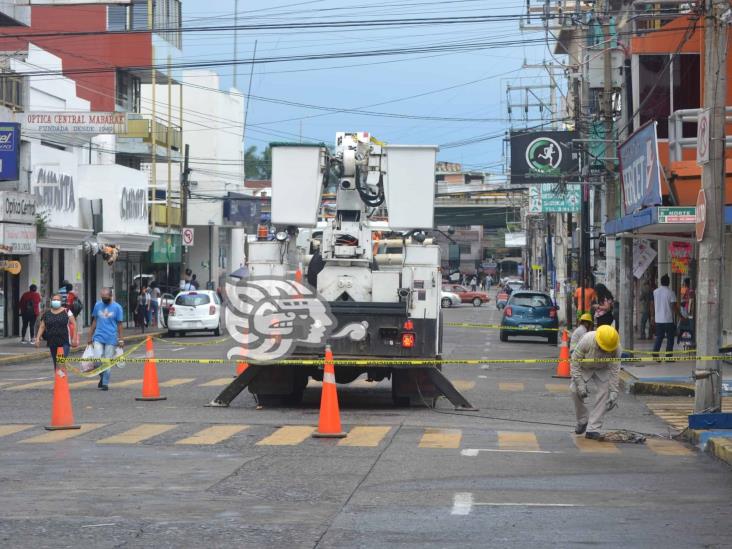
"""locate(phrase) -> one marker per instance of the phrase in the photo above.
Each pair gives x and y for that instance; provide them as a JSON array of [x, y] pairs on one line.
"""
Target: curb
[[38, 355], [633, 385], [717, 443]]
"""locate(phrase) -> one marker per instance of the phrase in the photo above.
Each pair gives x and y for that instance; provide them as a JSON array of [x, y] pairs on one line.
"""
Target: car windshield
[[192, 300], [531, 300], [460, 289]]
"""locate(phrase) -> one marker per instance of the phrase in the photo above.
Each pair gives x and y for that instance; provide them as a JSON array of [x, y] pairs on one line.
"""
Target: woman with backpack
[[29, 310], [57, 325]]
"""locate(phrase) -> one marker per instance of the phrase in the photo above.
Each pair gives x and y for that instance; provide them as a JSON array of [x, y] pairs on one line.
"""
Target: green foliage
[[258, 166], [41, 224]]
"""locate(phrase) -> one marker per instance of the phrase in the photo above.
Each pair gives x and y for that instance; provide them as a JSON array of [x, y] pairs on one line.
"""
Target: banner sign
[[515, 240], [17, 239], [88, 123], [640, 169], [166, 249], [680, 256], [643, 256], [9, 151], [542, 157], [548, 198], [677, 214]]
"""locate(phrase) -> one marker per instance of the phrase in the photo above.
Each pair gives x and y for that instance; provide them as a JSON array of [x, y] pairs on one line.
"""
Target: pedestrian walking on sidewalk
[[591, 364], [29, 307], [603, 305], [105, 332], [585, 326], [666, 308], [646, 306], [56, 326]]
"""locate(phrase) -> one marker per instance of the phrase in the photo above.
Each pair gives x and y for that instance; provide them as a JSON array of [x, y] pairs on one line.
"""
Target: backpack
[[76, 307], [28, 308]]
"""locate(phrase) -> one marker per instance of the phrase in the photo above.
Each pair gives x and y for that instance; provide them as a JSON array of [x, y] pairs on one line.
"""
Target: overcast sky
[[477, 78]]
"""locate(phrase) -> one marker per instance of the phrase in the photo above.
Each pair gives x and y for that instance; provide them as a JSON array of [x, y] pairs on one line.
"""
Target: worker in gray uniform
[[592, 364]]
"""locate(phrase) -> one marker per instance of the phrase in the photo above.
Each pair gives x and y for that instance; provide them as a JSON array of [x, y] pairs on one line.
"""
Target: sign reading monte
[[640, 169], [542, 157], [677, 214], [89, 123]]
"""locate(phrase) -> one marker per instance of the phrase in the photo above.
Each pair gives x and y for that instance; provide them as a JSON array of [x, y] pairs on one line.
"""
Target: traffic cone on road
[[241, 367], [150, 388], [62, 414], [329, 422], [563, 364]]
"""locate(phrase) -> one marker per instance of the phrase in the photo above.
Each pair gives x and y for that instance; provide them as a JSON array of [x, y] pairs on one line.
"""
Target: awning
[[128, 242], [64, 237], [659, 223]]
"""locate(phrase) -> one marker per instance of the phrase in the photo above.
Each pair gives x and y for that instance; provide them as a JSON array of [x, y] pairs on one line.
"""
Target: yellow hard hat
[[607, 338], [587, 317]]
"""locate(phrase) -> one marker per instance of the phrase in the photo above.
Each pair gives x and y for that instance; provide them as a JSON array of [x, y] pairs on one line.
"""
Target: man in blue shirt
[[106, 331]]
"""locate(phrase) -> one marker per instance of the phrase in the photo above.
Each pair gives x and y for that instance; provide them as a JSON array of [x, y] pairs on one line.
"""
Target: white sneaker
[[32, 341], [23, 342]]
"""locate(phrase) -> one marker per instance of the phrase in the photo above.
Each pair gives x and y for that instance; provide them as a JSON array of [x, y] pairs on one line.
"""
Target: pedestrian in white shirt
[[666, 309]]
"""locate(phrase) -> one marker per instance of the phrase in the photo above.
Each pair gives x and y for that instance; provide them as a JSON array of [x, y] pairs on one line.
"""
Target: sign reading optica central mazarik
[[640, 168], [89, 123]]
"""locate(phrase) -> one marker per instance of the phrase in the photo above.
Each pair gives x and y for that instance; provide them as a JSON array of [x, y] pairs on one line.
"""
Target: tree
[[257, 166]]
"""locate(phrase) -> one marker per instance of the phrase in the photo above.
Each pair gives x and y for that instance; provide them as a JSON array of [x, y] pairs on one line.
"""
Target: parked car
[[530, 313], [501, 299], [515, 284], [449, 299], [195, 311], [477, 298]]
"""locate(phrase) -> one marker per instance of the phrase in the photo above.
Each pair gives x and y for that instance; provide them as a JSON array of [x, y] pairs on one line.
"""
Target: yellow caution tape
[[499, 327], [106, 363]]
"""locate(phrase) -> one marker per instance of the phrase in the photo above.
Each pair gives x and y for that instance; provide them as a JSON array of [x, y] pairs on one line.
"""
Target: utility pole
[[711, 250], [184, 190]]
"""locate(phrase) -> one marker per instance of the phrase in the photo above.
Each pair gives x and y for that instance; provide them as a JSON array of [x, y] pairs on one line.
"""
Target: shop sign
[[133, 204], [13, 267], [542, 157], [548, 198], [54, 190], [643, 256], [9, 151], [166, 249], [680, 256], [515, 240], [640, 169], [17, 207], [677, 214], [87, 123], [17, 239]]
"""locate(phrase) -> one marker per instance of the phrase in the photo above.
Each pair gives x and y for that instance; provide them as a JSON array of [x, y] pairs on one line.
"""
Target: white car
[[449, 299], [195, 311]]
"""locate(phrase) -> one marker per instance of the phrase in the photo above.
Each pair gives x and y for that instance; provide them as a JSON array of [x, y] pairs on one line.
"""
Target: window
[[465, 249], [134, 16], [531, 300], [128, 91], [11, 91], [192, 300]]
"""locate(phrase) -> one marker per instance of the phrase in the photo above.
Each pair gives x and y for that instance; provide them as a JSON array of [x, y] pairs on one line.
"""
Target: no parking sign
[[187, 236]]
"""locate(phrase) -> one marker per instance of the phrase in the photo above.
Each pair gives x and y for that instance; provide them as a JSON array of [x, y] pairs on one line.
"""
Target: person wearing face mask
[[105, 332], [56, 323]]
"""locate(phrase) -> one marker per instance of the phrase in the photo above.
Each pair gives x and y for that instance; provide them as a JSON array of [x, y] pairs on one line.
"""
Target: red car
[[477, 298]]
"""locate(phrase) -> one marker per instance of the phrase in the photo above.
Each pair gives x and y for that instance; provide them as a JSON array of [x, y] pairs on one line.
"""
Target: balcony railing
[[160, 214], [145, 128], [677, 141]]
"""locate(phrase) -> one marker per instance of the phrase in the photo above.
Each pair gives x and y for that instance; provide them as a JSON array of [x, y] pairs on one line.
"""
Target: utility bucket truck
[[370, 307]]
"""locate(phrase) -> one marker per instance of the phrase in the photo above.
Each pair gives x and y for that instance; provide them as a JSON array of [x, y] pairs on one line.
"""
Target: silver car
[[449, 299]]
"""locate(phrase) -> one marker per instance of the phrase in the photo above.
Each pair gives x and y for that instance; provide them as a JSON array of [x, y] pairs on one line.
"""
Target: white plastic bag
[[88, 365], [118, 353]]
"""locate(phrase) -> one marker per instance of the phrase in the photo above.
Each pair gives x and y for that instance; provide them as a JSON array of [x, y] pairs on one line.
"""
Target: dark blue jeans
[[54, 350], [667, 330]]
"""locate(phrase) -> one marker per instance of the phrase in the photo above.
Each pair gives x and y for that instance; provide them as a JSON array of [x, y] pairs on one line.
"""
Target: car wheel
[[477, 302], [217, 332], [503, 336], [446, 303], [172, 333], [553, 339]]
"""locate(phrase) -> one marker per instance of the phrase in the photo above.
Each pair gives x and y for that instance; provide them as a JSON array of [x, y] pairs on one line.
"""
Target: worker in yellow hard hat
[[593, 362], [585, 325]]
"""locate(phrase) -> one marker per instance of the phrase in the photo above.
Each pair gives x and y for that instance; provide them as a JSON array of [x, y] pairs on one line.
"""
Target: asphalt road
[[177, 474]]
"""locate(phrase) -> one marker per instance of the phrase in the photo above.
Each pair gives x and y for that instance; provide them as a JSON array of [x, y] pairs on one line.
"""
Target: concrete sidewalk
[[13, 352]]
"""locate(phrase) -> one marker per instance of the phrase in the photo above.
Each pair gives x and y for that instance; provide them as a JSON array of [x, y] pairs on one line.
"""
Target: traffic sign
[[187, 234], [701, 215], [702, 137]]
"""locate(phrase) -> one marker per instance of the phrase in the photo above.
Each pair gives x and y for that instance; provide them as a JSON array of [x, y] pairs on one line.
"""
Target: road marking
[[473, 452], [34, 385], [511, 386], [595, 446], [78, 384], [58, 436], [557, 387], [288, 435], [462, 503], [128, 383], [213, 435], [138, 434], [668, 447], [513, 440], [482, 377], [365, 436], [463, 384], [220, 382], [177, 381], [7, 430], [177, 349], [441, 438], [4, 383]]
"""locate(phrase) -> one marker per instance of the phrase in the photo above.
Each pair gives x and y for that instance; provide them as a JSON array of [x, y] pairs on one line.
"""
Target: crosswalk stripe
[[557, 387], [4, 383], [595, 446], [668, 447], [288, 435], [463, 384], [58, 436], [220, 382], [177, 381], [213, 435], [127, 383], [441, 438], [34, 385], [365, 436], [511, 386], [78, 384], [6, 430], [514, 440], [138, 434]]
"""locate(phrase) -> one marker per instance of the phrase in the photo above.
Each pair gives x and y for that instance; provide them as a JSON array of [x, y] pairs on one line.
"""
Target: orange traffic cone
[[563, 364], [241, 367], [329, 422], [150, 388], [62, 414]]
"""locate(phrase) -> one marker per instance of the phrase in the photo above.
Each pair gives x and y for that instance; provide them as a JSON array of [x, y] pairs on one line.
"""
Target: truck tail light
[[409, 325], [508, 311], [171, 311], [552, 313], [212, 310], [408, 340]]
